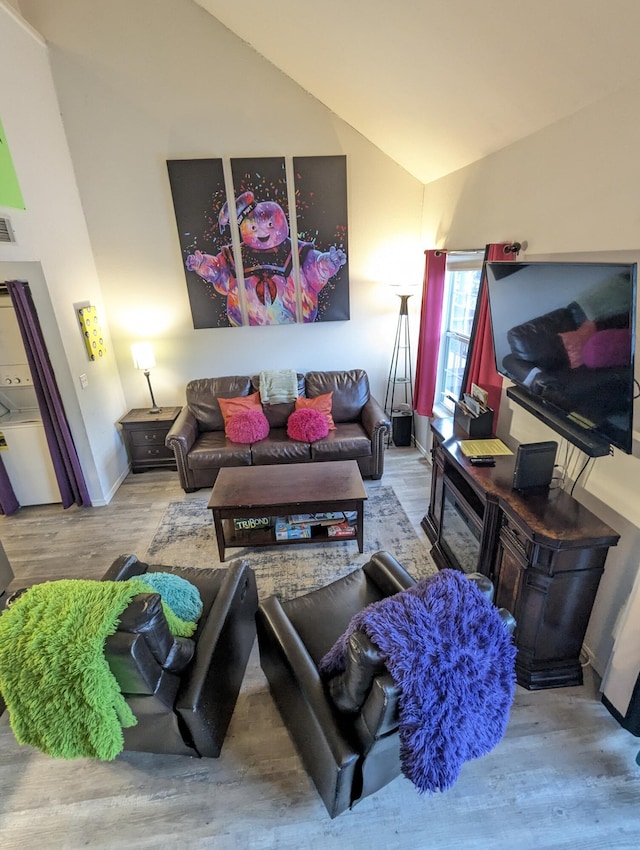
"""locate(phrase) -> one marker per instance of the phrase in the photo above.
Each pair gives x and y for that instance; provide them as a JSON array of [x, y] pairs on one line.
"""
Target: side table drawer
[[149, 438], [150, 452]]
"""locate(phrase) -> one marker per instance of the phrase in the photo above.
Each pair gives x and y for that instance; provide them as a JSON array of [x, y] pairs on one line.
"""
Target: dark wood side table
[[144, 435]]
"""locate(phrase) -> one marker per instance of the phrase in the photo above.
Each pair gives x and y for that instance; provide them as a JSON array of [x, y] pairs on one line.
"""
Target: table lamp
[[143, 358]]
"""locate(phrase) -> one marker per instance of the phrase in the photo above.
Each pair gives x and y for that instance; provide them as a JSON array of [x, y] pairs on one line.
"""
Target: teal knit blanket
[[60, 692]]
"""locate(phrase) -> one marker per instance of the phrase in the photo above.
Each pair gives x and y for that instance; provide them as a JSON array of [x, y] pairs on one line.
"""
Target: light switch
[[84, 381]]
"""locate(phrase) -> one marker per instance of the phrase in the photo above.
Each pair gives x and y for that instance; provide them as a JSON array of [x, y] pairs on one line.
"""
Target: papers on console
[[475, 448]]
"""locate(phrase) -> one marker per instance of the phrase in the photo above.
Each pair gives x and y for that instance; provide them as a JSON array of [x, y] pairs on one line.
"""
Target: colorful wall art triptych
[[264, 240]]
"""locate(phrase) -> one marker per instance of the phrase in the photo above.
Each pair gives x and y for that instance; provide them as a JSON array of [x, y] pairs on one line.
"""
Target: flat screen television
[[564, 334]]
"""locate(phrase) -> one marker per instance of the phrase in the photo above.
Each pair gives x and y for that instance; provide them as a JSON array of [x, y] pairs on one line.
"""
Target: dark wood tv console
[[543, 550]]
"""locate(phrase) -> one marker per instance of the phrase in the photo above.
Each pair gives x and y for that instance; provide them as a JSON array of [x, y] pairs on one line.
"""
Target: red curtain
[[481, 362], [429, 338]]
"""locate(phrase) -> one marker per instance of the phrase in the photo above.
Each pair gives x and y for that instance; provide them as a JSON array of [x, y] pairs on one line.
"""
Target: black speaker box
[[534, 465]]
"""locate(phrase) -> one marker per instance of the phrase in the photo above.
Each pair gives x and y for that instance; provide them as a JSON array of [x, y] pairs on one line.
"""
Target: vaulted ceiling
[[438, 84]]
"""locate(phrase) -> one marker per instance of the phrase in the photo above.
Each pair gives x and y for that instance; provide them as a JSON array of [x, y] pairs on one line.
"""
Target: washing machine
[[23, 444]]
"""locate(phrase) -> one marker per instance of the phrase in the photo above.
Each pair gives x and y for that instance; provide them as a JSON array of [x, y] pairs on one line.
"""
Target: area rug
[[186, 537]]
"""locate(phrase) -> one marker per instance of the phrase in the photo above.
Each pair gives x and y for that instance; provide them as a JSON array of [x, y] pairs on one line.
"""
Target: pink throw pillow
[[608, 348], [248, 426], [575, 341], [307, 425]]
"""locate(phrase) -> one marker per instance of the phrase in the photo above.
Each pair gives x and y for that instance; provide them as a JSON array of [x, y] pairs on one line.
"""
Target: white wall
[[160, 79], [53, 252], [570, 192]]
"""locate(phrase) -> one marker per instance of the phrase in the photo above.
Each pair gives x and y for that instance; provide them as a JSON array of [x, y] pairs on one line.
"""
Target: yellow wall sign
[[10, 194], [91, 332]]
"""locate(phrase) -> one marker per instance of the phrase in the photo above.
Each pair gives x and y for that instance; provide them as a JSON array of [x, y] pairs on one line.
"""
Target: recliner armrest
[[380, 713], [364, 661], [210, 687], [144, 615], [508, 620], [367, 691], [277, 628], [125, 567], [384, 571]]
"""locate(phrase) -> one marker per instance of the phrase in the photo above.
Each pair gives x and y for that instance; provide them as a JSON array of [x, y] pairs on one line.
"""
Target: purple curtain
[[429, 336], [66, 465], [8, 502]]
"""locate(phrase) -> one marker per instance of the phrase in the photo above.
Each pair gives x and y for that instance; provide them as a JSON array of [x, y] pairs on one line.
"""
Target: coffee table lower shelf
[[267, 536], [231, 538]]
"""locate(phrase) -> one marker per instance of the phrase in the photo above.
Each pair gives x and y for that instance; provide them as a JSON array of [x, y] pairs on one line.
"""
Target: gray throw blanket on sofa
[[278, 386]]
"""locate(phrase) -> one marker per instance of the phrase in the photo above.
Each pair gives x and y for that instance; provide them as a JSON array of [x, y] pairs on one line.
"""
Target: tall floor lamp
[[398, 401], [144, 358]]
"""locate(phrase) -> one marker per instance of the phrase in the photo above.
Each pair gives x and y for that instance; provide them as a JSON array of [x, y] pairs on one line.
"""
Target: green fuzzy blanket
[[61, 694]]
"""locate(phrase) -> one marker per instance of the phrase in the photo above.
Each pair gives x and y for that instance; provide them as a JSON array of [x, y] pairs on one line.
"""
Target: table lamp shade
[[143, 357]]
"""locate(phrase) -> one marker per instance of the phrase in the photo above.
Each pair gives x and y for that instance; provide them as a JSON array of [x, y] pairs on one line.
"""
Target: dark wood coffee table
[[281, 490]]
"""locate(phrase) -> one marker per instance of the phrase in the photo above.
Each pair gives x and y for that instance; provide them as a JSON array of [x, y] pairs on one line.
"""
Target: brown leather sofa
[[201, 448]]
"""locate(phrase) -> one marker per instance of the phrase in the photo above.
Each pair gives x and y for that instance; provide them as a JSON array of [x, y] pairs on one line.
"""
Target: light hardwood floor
[[564, 775]]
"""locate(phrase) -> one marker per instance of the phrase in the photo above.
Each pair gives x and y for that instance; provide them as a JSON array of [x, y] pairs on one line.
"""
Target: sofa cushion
[[202, 398], [350, 392], [278, 448], [320, 403], [348, 442], [213, 449]]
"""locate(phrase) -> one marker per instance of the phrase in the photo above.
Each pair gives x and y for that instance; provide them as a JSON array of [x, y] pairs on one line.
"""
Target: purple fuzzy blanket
[[446, 647]]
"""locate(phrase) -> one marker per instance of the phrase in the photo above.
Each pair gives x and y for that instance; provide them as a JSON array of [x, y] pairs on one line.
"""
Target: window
[[462, 282]]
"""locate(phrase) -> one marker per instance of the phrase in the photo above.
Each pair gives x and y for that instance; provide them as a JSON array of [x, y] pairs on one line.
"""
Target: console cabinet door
[[436, 505], [508, 577]]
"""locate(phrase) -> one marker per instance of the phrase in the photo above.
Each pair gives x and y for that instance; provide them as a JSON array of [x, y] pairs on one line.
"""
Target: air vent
[[6, 231]]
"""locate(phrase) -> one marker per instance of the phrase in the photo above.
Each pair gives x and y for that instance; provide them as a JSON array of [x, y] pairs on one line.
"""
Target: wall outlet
[[84, 381]]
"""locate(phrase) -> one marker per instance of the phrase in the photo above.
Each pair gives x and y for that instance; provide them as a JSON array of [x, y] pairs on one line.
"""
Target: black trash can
[[401, 427]]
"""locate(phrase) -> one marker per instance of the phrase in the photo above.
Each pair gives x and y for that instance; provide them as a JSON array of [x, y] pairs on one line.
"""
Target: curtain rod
[[510, 248]]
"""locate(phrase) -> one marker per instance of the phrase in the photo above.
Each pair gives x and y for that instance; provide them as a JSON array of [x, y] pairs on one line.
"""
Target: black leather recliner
[[183, 690], [346, 731]]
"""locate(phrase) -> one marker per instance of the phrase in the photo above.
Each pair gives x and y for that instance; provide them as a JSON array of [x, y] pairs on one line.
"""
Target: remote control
[[482, 460]]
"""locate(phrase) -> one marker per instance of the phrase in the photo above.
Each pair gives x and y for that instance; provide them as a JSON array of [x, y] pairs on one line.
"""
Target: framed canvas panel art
[[198, 190], [321, 218], [246, 262], [266, 253]]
